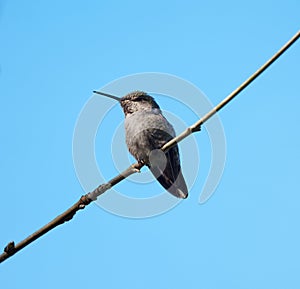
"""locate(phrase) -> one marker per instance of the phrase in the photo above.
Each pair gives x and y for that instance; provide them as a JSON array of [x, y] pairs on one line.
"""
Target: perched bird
[[147, 130]]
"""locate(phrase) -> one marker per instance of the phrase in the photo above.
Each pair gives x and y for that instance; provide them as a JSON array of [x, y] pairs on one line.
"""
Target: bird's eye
[[141, 98]]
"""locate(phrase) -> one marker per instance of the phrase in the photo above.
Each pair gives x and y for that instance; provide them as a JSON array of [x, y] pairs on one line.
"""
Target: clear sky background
[[54, 53]]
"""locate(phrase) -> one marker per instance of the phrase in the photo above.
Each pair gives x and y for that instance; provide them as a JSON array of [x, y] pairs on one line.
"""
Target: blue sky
[[54, 53]]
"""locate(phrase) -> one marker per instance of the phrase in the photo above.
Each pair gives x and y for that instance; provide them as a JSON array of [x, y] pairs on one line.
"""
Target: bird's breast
[[146, 131]]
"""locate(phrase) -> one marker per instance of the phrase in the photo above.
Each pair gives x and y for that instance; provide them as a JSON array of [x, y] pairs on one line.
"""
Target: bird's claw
[[136, 170], [137, 167]]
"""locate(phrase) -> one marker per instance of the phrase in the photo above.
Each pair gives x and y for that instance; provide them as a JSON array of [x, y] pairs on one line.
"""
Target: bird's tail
[[173, 183]]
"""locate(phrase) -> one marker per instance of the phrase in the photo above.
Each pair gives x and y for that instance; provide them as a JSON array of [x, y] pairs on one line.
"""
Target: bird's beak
[[108, 95]]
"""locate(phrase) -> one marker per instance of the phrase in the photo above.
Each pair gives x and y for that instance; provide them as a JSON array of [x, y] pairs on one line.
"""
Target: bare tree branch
[[85, 200]]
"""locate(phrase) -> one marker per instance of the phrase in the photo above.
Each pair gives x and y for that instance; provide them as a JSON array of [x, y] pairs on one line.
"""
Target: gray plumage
[[147, 130]]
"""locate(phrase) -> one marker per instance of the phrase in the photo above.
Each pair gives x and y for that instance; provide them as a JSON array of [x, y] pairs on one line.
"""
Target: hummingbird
[[147, 130]]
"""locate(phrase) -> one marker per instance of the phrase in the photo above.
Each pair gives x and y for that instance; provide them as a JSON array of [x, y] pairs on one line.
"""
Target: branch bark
[[85, 200]]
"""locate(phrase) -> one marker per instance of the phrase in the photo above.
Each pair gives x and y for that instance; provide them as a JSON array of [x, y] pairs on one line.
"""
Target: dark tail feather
[[174, 184]]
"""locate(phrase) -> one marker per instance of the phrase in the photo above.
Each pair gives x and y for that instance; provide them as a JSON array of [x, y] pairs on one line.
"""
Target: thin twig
[[196, 126], [85, 200]]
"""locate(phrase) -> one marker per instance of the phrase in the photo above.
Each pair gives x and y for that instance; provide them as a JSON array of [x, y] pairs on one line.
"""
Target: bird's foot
[[137, 167]]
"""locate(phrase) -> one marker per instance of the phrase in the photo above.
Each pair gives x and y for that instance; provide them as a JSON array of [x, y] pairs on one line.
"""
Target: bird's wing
[[168, 173]]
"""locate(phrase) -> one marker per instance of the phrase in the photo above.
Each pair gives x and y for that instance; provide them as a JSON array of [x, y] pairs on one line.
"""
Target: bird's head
[[134, 101], [137, 101]]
